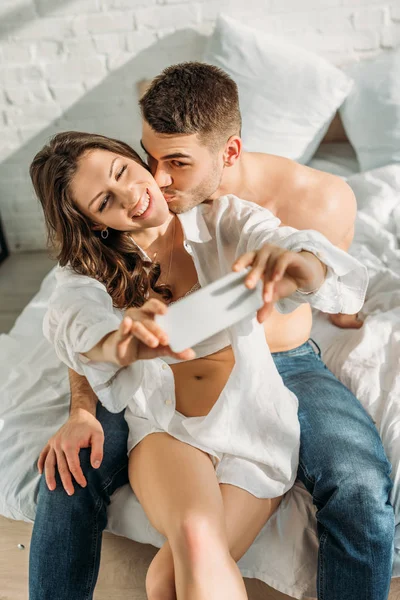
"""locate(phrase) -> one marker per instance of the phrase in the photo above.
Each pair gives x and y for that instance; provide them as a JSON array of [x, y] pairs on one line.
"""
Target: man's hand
[[82, 430], [283, 272]]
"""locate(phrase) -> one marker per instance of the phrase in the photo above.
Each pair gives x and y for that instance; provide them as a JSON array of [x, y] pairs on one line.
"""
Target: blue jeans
[[342, 464]]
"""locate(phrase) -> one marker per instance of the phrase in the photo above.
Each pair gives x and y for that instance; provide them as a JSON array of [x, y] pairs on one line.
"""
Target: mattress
[[35, 398]]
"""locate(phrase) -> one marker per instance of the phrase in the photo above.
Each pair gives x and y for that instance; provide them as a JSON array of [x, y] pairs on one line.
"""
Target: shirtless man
[[342, 462]]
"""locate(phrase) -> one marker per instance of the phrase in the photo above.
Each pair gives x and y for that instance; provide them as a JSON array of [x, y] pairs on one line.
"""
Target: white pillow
[[288, 95], [371, 113]]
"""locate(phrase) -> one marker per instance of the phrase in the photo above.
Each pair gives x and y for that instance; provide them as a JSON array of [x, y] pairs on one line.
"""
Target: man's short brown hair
[[191, 98]]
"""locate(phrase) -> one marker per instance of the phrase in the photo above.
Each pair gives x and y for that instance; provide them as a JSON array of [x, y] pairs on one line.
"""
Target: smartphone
[[209, 310]]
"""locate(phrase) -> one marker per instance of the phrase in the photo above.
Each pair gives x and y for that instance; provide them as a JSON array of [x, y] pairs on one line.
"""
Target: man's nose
[[162, 177]]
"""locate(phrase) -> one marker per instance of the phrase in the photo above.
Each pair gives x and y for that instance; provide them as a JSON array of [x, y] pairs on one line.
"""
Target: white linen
[[35, 398], [371, 113], [368, 360], [288, 95], [215, 234]]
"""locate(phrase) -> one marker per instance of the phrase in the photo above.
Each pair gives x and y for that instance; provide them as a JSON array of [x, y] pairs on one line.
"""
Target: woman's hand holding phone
[[139, 337]]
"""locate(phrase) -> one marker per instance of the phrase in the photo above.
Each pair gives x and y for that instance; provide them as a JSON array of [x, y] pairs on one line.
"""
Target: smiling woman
[[105, 187]]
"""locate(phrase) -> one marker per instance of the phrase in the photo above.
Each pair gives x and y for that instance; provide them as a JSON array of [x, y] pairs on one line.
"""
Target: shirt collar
[[194, 225], [142, 253]]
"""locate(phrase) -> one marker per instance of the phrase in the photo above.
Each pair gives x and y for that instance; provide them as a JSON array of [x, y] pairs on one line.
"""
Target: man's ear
[[232, 151]]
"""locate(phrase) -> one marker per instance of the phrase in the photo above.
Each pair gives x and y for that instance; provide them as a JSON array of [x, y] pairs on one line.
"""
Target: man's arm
[[82, 395], [325, 203], [330, 207]]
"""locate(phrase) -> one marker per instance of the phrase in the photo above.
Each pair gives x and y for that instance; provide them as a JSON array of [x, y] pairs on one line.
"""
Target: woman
[[121, 247]]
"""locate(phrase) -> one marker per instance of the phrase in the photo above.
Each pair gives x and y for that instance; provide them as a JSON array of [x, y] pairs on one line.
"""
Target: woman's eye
[[120, 172], [104, 203]]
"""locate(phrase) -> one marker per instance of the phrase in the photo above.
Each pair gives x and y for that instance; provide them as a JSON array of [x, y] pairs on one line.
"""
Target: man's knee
[[358, 500]]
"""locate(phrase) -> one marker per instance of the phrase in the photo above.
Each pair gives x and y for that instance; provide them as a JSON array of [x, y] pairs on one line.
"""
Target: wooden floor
[[122, 571], [124, 563]]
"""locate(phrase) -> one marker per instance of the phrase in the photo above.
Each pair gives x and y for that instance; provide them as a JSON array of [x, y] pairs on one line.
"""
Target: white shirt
[[255, 417]]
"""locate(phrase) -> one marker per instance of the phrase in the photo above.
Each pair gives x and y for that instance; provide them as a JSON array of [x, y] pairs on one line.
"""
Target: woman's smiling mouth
[[141, 206]]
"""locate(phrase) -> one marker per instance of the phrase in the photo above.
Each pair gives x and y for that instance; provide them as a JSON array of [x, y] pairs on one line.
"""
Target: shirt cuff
[[118, 390], [345, 284]]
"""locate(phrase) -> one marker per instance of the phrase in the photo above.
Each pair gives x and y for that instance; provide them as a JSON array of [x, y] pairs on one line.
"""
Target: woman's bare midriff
[[199, 382]]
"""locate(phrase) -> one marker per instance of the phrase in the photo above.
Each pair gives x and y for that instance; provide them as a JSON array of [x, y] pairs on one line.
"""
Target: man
[[191, 129]]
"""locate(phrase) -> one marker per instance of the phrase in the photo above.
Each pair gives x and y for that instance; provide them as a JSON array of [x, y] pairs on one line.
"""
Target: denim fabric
[[66, 539], [342, 464], [344, 467]]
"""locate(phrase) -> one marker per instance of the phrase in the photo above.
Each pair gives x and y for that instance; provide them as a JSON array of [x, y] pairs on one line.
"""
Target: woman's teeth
[[144, 206]]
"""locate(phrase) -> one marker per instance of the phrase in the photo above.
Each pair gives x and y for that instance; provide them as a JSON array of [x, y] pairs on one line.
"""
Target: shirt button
[[168, 402], [164, 367]]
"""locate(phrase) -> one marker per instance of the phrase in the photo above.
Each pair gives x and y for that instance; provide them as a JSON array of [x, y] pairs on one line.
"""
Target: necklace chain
[[171, 252]]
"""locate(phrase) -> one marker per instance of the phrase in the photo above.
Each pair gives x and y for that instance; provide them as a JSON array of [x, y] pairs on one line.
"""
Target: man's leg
[[344, 467], [66, 539]]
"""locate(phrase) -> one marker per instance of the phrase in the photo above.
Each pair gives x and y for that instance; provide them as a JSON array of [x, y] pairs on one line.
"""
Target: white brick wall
[[74, 64]]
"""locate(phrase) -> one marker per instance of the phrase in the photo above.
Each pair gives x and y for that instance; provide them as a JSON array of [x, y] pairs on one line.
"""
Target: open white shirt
[[255, 417]]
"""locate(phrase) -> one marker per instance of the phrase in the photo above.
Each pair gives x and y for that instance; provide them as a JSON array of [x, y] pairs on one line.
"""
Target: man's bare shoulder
[[305, 198]]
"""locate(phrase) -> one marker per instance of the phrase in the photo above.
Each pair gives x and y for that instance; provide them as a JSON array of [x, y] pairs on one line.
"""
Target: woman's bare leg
[[245, 516], [178, 489]]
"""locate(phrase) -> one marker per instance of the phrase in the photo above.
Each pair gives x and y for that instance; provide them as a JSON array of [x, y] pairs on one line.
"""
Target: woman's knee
[[198, 538], [160, 585]]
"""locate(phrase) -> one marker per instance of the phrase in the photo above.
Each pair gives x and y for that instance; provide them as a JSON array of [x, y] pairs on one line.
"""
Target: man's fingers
[[268, 292], [50, 469], [257, 270], [280, 266], [74, 465], [264, 312], [244, 261], [42, 458], [64, 473], [96, 454]]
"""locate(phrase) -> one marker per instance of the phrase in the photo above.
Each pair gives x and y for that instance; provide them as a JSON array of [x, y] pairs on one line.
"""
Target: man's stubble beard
[[204, 191]]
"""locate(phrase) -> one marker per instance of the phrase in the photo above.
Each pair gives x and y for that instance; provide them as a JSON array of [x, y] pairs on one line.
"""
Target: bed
[[35, 399], [34, 394]]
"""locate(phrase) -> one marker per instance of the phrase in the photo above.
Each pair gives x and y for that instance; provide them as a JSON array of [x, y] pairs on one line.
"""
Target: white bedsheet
[[34, 398]]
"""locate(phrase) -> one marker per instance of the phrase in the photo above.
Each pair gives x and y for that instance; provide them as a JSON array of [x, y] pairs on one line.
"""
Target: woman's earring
[[104, 233]]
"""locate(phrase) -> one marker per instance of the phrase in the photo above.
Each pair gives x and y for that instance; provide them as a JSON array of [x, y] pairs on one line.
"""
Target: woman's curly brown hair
[[114, 261]]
